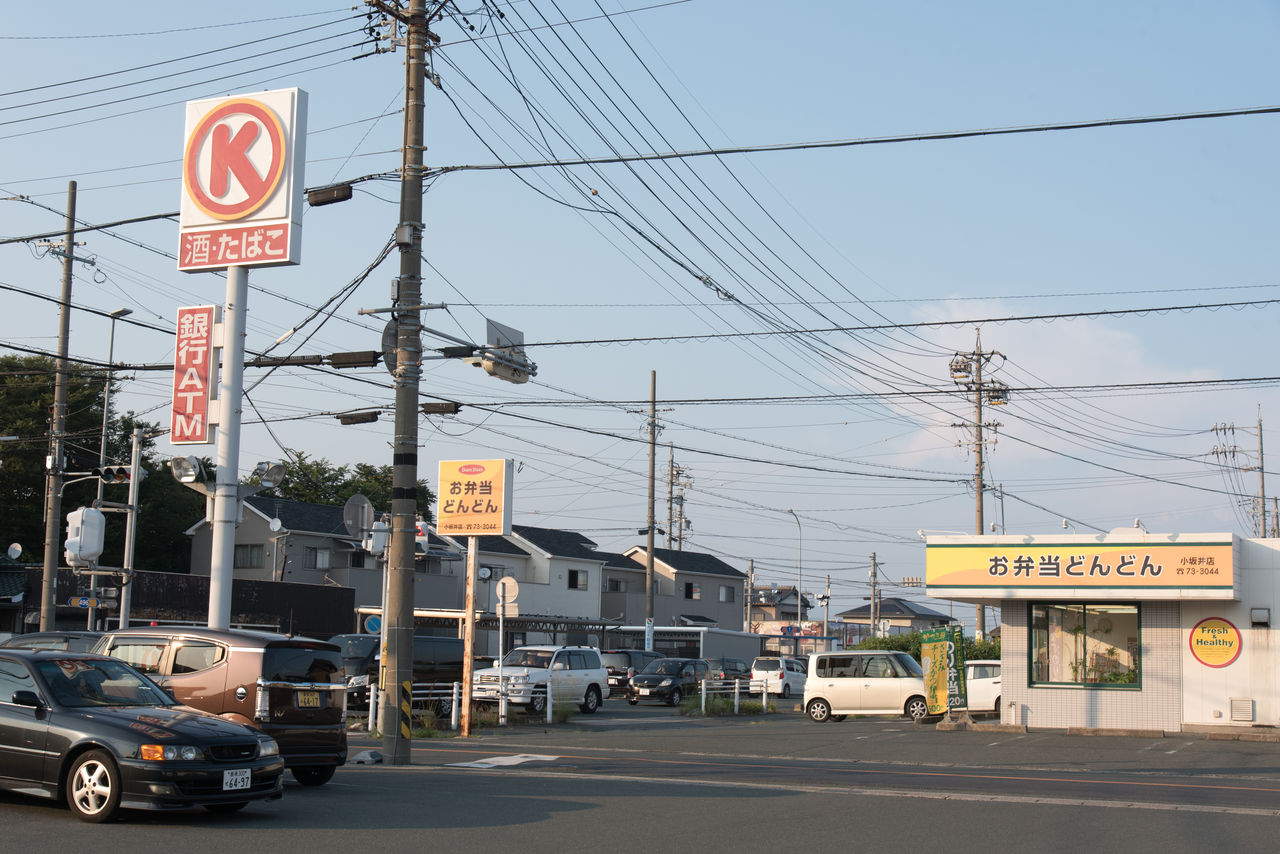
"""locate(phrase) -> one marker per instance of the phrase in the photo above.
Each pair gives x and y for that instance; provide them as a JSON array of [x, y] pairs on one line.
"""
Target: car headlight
[[518, 679], [171, 752], [268, 746], [664, 683]]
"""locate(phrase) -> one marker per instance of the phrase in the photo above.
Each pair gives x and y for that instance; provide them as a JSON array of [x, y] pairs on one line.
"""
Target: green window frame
[[1088, 645]]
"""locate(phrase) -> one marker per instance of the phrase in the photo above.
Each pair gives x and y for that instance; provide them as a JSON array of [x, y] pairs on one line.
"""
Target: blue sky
[[1063, 222]]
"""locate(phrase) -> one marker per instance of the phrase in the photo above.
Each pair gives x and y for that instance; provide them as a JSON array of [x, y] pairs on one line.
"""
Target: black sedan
[[95, 732], [668, 679]]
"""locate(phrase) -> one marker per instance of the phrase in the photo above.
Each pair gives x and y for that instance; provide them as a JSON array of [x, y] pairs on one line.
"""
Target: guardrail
[[735, 687]]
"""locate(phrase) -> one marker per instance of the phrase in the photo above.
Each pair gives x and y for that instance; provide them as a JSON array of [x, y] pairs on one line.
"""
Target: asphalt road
[[643, 778]]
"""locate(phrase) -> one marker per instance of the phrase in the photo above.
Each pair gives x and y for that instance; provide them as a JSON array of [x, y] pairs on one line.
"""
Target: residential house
[[895, 616]]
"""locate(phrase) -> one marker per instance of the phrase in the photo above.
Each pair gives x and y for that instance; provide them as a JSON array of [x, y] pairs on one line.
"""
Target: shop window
[[1091, 645]]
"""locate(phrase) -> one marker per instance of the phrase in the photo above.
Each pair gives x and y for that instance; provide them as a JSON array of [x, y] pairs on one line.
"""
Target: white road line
[[502, 761]]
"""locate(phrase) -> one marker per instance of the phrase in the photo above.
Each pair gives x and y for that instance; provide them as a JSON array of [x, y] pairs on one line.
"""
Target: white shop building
[[1126, 630]]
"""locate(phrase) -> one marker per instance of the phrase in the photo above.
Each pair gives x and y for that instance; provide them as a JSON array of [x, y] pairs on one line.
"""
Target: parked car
[[622, 664], [668, 680], [572, 673], [728, 668], [778, 675], [109, 738], [436, 661], [864, 682], [290, 688], [76, 641], [982, 680]]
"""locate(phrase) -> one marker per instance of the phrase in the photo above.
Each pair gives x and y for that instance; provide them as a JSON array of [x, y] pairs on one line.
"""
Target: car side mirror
[[27, 698]]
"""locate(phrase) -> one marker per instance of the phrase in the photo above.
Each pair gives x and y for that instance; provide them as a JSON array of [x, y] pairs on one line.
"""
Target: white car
[[782, 676], [864, 682], [573, 673], [982, 679]]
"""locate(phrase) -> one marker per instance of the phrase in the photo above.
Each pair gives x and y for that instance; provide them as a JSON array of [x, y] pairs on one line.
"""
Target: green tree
[[26, 408], [974, 650], [319, 481]]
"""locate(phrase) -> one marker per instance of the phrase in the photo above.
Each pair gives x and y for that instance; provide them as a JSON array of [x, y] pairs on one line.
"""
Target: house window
[[616, 585], [726, 593], [692, 591], [1090, 645], [577, 579], [247, 557], [357, 560], [313, 558]]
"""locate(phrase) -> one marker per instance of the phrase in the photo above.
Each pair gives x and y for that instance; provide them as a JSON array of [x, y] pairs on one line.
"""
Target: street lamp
[[106, 390], [799, 577]]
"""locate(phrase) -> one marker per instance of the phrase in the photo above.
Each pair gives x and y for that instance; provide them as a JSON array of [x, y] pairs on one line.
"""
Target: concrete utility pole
[[406, 297], [648, 560], [58, 429], [875, 601], [966, 372]]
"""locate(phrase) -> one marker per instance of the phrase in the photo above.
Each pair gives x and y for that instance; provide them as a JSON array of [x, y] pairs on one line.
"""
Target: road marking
[[501, 761]]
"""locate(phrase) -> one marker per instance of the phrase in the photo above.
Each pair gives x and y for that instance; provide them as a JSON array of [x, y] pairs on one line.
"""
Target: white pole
[[226, 491]]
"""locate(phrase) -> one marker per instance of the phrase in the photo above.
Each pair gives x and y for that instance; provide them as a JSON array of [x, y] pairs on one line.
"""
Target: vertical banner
[[957, 689], [192, 376], [934, 656]]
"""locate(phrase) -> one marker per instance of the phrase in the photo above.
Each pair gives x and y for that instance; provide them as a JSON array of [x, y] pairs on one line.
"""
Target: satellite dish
[[275, 525], [15, 549], [357, 515]]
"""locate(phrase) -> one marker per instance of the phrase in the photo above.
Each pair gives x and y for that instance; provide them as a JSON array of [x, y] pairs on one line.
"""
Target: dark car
[[291, 688], [81, 641], [622, 664], [729, 668], [668, 680], [437, 661], [98, 734]]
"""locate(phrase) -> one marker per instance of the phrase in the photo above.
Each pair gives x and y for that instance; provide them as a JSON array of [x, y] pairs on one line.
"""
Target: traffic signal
[[113, 474], [86, 527]]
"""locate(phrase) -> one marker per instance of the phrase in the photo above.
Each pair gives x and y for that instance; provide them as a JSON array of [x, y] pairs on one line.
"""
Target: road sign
[[373, 624], [91, 602], [507, 589]]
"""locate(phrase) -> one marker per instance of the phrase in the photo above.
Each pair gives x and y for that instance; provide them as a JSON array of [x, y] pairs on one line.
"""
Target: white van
[[864, 682]]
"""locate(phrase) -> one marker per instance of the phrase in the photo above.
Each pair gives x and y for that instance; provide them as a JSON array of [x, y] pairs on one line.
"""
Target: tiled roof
[[559, 543], [12, 582], [892, 607], [682, 561], [300, 516]]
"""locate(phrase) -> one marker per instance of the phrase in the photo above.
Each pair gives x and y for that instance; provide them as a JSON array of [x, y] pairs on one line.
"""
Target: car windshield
[[666, 666], [540, 658], [616, 660], [767, 664], [356, 646], [82, 682], [909, 664]]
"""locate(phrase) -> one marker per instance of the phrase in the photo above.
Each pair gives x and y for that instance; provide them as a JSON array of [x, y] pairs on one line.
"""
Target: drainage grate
[[1241, 708]]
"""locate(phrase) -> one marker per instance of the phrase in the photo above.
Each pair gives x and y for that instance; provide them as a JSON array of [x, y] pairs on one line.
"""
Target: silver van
[[864, 682]]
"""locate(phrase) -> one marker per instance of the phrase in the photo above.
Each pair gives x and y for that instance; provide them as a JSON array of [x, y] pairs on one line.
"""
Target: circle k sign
[[240, 156]]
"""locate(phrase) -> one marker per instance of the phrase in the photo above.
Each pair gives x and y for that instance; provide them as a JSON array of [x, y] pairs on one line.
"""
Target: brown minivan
[[291, 688]]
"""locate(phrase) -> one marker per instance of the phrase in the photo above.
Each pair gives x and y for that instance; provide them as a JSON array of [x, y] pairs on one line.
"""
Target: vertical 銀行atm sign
[[474, 498], [242, 176], [192, 376]]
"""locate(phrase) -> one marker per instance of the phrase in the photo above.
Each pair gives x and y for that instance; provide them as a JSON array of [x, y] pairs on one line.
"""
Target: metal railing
[[735, 688]]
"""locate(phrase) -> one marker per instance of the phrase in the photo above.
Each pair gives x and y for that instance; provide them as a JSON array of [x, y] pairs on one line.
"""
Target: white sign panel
[[242, 181]]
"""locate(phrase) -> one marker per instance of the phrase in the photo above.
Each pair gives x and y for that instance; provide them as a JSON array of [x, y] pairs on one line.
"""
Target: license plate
[[644, 692], [308, 699], [236, 778]]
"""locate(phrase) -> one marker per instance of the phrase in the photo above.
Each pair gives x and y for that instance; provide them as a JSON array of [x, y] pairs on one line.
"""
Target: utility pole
[[966, 372], [751, 587], [875, 601], [58, 429], [406, 298], [648, 560], [1262, 482]]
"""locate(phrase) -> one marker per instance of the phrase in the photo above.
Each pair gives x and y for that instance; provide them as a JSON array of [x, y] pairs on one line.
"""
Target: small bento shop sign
[[1158, 566]]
